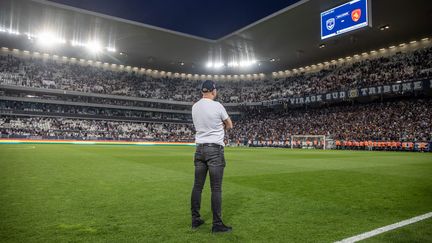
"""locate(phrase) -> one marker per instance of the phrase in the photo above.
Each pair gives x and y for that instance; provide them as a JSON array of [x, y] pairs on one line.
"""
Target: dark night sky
[[208, 19]]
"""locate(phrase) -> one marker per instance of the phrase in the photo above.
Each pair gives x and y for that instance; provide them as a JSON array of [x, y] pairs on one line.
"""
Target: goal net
[[308, 141]]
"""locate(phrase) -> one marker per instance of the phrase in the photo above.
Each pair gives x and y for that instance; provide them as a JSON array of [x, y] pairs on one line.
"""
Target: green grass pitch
[[74, 193]]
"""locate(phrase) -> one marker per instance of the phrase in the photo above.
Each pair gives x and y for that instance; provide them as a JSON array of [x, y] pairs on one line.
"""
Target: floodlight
[[94, 46], [218, 65], [111, 49], [48, 38], [233, 64]]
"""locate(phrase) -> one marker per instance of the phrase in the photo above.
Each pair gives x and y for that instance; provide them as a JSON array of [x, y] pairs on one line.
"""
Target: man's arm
[[225, 118], [228, 123]]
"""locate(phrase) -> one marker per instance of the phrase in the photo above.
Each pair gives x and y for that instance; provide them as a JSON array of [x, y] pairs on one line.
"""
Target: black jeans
[[208, 157]]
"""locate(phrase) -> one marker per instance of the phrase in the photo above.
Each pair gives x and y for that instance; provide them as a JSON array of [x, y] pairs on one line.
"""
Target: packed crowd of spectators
[[71, 110], [63, 128], [41, 73], [404, 120], [166, 105]]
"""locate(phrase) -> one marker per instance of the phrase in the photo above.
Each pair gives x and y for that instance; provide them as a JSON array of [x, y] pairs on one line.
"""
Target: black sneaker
[[221, 228], [197, 223]]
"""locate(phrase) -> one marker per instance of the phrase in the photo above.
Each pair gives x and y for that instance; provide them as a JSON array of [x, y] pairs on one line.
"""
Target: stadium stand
[[388, 122], [42, 73], [64, 128], [402, 121], [106, 104]]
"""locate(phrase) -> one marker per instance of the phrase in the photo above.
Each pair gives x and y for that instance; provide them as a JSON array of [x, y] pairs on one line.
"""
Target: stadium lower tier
[[397, 125], [400, 120], [86, 129]]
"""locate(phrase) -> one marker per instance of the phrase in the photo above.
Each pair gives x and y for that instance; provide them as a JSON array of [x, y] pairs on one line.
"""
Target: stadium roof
[[209, 19], [289, 38]]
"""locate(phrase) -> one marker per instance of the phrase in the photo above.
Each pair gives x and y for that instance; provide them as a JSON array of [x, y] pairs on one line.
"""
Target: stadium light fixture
[[111, 49], [385, 27], [94, 46], [413, 42], [247, 63], [233, 64], [382, 50], [77, 43], [30, 36], [392, 47], [9, 31], [425, 39], [209, 65], [402, 45], [13, 32], [218, 65], [49, 39]]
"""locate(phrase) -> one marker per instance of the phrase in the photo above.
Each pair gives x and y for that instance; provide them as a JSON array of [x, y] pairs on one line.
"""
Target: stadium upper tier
[[56, 74]]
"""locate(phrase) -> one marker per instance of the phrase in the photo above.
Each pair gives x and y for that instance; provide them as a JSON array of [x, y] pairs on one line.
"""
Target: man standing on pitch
[[210, 120]]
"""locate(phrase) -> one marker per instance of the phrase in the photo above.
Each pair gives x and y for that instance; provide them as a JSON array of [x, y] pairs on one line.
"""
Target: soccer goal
[[308, 141]]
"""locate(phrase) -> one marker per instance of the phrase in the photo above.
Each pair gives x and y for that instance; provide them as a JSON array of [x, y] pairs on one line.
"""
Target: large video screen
[[345, 18]]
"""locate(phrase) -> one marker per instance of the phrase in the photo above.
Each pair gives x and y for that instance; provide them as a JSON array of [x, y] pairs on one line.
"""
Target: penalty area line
[[385, 228]]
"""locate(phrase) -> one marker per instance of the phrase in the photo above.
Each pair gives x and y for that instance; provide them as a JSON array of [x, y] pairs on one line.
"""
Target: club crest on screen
[[356, 14], [330, 23]]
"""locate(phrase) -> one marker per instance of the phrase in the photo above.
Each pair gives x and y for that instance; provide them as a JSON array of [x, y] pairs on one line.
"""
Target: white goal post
[[308, 141]]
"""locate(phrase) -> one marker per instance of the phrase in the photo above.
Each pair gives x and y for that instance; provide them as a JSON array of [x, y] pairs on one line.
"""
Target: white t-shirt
[[208, 117]]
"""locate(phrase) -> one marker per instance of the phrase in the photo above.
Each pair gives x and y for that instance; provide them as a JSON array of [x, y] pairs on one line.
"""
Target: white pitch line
[[385, 228]]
